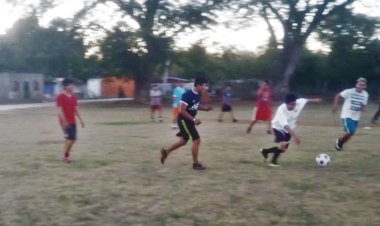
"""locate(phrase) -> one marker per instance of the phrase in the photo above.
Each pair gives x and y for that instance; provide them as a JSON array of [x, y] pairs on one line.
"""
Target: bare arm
[[335, 103], [185, 114], [61, 117], [314, 100], [293, 134], [79, 117]]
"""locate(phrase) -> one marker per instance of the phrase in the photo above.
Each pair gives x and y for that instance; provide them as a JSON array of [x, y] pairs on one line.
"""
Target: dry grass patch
[[117, 179]]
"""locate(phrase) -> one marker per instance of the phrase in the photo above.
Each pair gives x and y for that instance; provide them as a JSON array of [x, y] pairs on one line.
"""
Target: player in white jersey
[[283, 125], [354, 101]]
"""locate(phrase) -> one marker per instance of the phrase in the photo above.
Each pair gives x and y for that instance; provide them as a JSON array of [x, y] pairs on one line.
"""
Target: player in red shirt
[[263, 107], [67, 110]]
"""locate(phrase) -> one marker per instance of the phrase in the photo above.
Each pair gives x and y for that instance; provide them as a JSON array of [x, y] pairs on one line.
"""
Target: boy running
[[354, 101], [67, 110], [189, 105], [263, 107], [283, 125], [226, 104]]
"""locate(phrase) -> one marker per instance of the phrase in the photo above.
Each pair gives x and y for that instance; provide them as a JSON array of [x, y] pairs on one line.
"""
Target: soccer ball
[[322, 159]]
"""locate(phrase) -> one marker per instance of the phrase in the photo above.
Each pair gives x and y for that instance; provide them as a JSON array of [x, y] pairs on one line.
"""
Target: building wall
[[21, 86]]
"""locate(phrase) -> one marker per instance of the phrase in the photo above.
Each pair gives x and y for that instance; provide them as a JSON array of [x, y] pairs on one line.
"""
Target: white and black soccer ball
[[322, 159]]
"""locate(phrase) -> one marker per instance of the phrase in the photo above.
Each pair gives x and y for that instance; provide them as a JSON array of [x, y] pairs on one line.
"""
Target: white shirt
[[353, 103], [155, 97], [284, 117]]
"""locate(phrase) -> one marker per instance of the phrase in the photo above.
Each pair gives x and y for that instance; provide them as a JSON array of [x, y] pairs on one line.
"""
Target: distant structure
[[21, 87]]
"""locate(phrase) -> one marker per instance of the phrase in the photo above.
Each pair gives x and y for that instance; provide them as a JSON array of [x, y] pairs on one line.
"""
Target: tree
[[298, 19], [54, 51], [156, 22]]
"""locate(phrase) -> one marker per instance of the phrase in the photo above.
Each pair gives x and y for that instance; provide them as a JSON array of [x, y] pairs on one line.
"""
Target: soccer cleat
[[234, 120], [249, 129], [269, 132], [66, 160], [198, 166], [219, 120], [164, 155], [274, 164], [265, 155], [338, 145]]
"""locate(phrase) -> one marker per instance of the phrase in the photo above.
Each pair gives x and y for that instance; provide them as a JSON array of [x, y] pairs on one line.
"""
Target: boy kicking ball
[[283, 125]]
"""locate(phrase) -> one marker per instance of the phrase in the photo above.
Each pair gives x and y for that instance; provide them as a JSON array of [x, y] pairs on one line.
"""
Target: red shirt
[[68, 105], [264, 97]]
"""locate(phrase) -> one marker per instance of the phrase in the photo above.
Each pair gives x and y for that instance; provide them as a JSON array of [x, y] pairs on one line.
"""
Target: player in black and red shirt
[[67, 110], [189, 105]]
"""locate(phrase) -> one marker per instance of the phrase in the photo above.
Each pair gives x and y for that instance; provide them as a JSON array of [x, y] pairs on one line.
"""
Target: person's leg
[[67, 148], [249, 129], [350, 127], [195, 150], [70, 135], [269, 129], [376, 116], [233, 119], [152, 112], [220, 118], [165, 152]]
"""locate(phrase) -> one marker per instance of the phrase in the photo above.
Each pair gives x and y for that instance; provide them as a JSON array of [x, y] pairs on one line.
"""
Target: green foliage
[[54, 51]]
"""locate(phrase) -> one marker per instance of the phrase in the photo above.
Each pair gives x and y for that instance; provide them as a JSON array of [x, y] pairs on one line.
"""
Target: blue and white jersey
[[177, 96], [353, 103], [192, 99]]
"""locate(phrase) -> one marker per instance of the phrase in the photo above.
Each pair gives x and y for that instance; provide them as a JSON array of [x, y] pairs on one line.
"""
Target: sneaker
[[234, 120], [164, 155], [66, 160], [174, 126], [198, 166], [338, 145], [249, 129], [274, 164], [265, 155]]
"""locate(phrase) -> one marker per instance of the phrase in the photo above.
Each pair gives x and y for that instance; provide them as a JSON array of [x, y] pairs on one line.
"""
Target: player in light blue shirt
[[177, 95]]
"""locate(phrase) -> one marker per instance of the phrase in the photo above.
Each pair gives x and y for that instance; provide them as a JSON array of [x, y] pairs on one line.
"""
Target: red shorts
[[263, 114], [155, 107]]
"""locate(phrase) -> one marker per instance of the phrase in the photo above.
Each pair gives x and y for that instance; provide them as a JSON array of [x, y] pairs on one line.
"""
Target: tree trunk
[[290, 57]]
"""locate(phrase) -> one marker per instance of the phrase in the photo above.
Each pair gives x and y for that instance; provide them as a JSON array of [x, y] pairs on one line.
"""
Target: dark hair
[[266, 82], [290, 98], [67, 82], [200, 81]]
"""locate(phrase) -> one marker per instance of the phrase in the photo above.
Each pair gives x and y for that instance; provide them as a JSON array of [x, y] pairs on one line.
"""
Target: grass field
[[117, 179]]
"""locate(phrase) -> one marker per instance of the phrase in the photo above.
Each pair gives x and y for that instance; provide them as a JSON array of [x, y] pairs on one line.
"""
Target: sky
[[252, 38]]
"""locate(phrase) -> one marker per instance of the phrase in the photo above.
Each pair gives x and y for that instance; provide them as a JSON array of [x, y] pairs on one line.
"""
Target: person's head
[[361, 84], [227, 87], [200, 84], [265, 83], [290, 101], [180, 83], [68, 84]]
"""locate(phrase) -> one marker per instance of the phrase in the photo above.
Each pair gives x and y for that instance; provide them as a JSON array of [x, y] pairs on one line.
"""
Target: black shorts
[[187, 130], [280, 136], [226, 108], [71, 132]]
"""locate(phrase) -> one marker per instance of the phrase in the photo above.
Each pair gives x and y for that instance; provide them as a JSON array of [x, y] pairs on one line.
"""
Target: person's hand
[[197, 122]]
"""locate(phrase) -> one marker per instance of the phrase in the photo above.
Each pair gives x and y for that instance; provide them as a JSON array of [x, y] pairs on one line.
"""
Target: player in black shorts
[[189, 105]]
